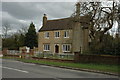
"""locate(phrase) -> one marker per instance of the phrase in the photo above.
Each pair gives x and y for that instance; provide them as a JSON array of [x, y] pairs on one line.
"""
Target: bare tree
[[6, 28], [102, 17], [23, 30]]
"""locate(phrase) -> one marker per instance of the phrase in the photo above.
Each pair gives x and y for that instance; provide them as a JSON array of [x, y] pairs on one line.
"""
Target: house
[[66, 35]]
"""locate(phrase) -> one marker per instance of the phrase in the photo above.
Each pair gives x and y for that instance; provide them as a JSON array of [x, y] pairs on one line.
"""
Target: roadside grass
[[91, 66]]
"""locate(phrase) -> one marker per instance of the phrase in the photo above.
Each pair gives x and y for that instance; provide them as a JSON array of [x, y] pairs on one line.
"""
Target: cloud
[[23, 13], [15, 23], [20, 10]]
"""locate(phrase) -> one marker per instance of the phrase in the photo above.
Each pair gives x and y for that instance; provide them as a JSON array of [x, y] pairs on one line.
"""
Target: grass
[[91, 66]]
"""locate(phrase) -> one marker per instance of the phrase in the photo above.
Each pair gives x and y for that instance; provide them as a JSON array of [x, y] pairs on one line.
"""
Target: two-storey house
[[64, 35]]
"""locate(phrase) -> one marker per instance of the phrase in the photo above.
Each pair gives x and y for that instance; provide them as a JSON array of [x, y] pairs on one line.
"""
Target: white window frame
[[46, 34], [67, 34], [46, 47], [57, 34], [65, 49]]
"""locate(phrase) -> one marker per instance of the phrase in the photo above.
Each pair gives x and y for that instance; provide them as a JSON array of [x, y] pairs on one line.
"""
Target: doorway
[[56, 49]]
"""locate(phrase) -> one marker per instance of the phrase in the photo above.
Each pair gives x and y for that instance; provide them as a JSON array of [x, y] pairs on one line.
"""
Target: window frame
[[66, 48], [67, 34], [46, 47], [47, 35], [57, 34]]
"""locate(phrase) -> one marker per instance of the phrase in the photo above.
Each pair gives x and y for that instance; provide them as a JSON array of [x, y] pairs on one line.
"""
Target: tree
[[101, 19], [23, 30], [9, 43], [6, 28], [31, 37], [15, 40]]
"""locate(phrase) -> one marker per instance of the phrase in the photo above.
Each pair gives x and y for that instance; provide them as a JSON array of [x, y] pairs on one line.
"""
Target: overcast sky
[[19, 14]]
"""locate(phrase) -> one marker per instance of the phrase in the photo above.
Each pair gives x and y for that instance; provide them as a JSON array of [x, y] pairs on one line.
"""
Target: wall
[[77, 37], [85, 40], [80, 38], [52, 40], [99, 59]]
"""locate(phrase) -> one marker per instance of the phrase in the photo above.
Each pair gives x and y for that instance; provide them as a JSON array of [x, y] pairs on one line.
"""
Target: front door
[[56, 49]]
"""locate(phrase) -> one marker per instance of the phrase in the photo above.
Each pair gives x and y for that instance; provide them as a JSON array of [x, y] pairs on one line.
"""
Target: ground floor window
[[46, 47], [66, 47]]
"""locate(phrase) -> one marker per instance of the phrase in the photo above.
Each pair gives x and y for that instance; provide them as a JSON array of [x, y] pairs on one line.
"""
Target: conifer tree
[[31, 37]]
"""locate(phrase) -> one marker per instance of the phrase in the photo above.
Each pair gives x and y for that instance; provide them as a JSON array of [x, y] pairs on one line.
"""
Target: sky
[[21, 14]]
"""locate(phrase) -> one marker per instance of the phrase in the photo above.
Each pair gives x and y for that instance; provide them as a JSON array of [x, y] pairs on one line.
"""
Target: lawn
[[91, 66]]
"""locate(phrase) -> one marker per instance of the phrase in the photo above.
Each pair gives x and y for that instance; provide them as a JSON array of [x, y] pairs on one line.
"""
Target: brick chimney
[[44, 20]]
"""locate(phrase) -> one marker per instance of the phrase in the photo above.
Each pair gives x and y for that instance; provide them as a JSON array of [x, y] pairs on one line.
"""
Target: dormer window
[[66, 34], [46, 34], [57, 34]]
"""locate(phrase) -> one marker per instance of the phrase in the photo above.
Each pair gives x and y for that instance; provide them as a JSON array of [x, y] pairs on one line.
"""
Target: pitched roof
[[61, 24]]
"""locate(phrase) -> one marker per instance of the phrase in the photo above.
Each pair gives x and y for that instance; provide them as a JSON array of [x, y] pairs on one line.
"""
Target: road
[[17, 69]]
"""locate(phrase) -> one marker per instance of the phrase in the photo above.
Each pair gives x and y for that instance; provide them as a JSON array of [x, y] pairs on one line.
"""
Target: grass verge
[[91, 66]]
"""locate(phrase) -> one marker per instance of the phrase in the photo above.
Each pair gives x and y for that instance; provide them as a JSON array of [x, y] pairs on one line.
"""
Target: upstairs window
[[57, 34], [46, 34], [66, 34], [66, 47], [46, 47]]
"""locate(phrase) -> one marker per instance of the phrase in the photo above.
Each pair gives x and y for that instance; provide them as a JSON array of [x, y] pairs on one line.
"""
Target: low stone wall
[[100, 59]]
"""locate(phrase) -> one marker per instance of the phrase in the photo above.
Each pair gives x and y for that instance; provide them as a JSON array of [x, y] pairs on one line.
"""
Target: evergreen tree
[[31, 37]]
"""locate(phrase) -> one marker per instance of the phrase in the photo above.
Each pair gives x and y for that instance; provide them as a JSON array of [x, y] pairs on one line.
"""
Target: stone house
[[66, 35]]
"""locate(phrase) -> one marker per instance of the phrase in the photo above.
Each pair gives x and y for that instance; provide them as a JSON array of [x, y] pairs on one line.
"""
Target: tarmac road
[[17, 69]]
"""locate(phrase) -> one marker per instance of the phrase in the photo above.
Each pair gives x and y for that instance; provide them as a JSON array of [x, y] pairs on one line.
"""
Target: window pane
[[46, 34], [66, 34], [66, 47], [57, 34], [63, 47], [46, 47]]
